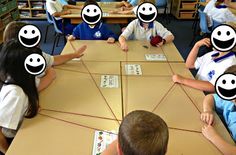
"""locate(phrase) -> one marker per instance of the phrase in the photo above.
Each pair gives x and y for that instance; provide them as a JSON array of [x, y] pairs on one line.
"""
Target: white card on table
[[133, 69], [155, 57], [101, 140], [76, 59], [109, 81]]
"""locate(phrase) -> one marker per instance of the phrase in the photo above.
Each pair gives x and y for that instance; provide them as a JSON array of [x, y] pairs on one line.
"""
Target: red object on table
[[156, 40]]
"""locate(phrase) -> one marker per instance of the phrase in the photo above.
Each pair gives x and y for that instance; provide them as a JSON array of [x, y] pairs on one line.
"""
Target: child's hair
[[12, 71], [88, 2], [218, 3], [149, 1], [143, 133], [231, 69], [12, 29]]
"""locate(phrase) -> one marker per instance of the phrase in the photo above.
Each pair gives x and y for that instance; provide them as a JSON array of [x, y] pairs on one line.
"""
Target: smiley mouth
[[91, 19], [227, 92], [223, 44], [35, 69], [29, 41], [146, 17]]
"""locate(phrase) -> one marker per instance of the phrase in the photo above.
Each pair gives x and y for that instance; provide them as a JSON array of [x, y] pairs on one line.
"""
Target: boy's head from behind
[[143, 133], [149, 1], [88, 2], [12, 29]]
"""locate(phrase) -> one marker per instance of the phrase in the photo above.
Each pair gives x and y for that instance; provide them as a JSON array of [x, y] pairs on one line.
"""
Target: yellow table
[[75, 105], [75, 17]]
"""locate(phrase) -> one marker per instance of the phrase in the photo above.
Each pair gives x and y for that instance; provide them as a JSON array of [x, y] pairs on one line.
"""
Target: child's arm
[[46, 80], [72, 7], [123, 3], [111, 149], [193, 54], [123, 43], [61, 59], [58, 14], [108, 34], [3, 142], [197, 84], [230, 4], [208, 106], [210, 133]]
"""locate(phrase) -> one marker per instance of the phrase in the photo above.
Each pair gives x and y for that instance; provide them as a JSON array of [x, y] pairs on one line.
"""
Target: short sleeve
[[51, 8], [63, 2], [13, 108], [161, 30], [219, 103], [133, 2], [49, 59], [229, 16], [76, 31], [198, 62], [232, 129], [129, 30]]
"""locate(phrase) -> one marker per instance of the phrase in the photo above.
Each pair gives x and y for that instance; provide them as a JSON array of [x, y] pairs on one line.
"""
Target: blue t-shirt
[[133, 2], [227, 109], [99, 32], [63, 2]]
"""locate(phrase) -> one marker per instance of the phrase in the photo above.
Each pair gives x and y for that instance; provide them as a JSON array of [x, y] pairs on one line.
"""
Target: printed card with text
[[155, 57], [109, 81], [101, 140], [133, 69]]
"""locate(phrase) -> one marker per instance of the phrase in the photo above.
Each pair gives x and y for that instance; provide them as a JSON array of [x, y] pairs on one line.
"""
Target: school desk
[[75, 17], [102, 51], [75, 105]]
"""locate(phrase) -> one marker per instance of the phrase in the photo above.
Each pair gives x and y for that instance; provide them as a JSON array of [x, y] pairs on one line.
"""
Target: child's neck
[[145, 26], [91, 26]]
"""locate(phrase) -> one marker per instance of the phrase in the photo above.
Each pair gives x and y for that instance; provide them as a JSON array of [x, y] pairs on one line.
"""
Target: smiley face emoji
[[35, 64], [223, 38], [146, 12], [91, 14], [226, 86], [29, 36]]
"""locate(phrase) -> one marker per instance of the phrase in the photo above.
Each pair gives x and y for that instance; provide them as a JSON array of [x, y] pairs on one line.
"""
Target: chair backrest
[[203, 21], [49, 17], [57, 30], [161, 3], [215, 24]]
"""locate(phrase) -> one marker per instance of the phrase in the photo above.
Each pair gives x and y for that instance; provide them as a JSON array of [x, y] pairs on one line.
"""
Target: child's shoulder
[[11, 89]]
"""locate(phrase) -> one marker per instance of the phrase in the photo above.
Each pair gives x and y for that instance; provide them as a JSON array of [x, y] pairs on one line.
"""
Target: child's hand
[[67, 12], [124, 47], [71, 38], [51, 74], [208, 131], [113, 12], [160, 44], [79, 52], [177, 78], [207, 117], [202, 42], [111, 40]]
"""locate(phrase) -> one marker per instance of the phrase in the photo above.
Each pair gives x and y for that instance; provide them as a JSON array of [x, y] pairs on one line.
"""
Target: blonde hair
[[12, 29]]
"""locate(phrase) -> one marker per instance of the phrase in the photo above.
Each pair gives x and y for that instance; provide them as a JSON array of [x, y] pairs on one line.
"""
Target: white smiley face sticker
[[223, 38], [29, 36], [91, 14], [146, 12], [35, 64], [226, 86]]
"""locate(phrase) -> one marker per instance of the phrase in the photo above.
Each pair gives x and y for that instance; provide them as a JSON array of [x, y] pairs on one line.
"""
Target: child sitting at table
[[217, 11], [99, 31], [18, 93], [210, 66], [144, 31], [227, 112], [11, 32], [140, 133], [57, 9]]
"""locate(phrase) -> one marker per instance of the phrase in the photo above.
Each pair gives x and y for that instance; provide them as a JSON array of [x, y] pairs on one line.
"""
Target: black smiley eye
[[224, 82], [233, 81], [38, 59], [33, 31], [143, 8], [150, 9], [219, 33], [95, 10], [31, 60], [25, 31], [228, 33], [88, 10]]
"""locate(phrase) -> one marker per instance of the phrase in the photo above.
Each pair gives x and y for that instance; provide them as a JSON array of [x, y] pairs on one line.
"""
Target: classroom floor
[[182, 29]]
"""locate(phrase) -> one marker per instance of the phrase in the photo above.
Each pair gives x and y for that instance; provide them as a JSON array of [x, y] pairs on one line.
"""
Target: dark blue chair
[[163, 4], [215, 24], [49, 19]]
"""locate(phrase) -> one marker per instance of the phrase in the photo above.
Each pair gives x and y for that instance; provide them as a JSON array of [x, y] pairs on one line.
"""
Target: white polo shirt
[[13, 106], [139, 33], [221, 15], [209, 69], [53, 7]]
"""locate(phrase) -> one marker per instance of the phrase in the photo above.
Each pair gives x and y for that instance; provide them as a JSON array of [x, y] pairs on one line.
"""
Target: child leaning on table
[[11, 32], [99, 31], [18, 92], [227, 111], [140, 133], [144, 31], [210, 66]]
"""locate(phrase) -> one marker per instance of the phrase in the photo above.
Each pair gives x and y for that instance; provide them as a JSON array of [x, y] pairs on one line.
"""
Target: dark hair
[[88, 2], [12, 29], [12, 57], [231, 69], [143, 133]]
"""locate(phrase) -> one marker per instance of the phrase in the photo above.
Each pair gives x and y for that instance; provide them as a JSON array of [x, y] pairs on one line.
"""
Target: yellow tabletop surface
[[75, 105]]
